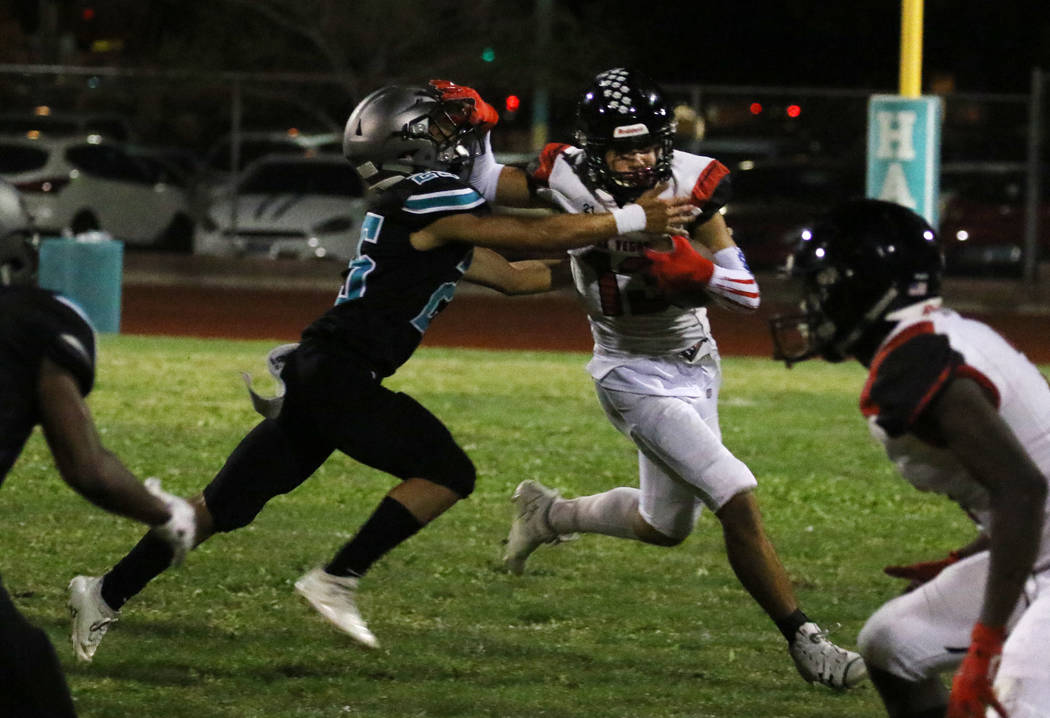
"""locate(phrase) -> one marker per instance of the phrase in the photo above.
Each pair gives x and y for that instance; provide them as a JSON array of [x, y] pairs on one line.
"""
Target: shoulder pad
[[906, 376]]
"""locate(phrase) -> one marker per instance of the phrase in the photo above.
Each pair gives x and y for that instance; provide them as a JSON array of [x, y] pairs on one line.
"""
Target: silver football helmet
[[398, 130], [18, 239]]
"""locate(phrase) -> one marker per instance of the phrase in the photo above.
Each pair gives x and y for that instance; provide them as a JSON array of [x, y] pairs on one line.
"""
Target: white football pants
[[927, 631], [682, 463]]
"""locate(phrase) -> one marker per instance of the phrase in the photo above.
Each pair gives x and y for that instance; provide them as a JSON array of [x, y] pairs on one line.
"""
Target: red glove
[[920, 573], [681, 268], [482, 114], [972, 686]]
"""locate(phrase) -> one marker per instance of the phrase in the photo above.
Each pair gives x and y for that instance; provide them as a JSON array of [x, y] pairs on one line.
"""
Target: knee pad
[[454, 470]]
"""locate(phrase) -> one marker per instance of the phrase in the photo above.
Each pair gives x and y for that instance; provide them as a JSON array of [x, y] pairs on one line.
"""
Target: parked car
[[287, 206], [74, 185], [772, 203], [65, 124], [218, 168], [982, 219]]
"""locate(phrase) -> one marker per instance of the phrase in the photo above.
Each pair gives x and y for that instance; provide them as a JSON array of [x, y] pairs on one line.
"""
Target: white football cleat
[[333, 597], [91, 615], [819, 660], [530, 527]]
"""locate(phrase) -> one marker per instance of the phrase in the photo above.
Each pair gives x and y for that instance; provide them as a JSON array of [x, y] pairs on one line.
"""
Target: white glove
[[181, 529]]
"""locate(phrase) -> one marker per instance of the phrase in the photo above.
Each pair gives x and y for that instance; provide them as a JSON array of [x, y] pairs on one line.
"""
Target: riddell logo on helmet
[[630, 131]]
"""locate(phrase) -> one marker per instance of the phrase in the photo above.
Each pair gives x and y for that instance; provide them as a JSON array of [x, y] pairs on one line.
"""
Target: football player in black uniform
[[962, 413], [426, 230], [47, 367]]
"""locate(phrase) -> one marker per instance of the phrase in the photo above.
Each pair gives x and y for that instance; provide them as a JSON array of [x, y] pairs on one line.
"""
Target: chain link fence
[[995, 192]]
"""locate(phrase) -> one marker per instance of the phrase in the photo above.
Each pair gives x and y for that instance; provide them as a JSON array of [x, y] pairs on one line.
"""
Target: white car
[[287, 206], [74, 185]]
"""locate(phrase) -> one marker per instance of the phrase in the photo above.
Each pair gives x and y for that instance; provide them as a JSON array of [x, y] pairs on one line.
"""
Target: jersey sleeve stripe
[[458, 199], [935, 387]]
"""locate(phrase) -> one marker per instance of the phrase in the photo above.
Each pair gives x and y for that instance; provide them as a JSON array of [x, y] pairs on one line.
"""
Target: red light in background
[[87, 13], [793, 110], [512, 103], [756, 108]]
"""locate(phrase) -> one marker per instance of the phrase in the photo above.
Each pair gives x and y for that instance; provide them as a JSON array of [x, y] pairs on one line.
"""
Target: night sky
[[984, 46]]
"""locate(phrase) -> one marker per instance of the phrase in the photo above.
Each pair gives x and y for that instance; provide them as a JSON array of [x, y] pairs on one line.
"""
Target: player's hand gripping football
[[180, 529], [482, 114], [972, 687], [665, 216], [919, 573], [681, 268]]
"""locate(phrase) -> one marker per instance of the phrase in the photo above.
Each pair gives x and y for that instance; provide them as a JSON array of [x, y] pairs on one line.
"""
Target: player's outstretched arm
[[560, 231], [491, 269], [96, 473]]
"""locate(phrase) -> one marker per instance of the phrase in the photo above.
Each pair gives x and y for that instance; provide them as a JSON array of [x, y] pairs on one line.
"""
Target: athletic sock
[[150, 558], [790, 624], [610, 513], [388, 526]]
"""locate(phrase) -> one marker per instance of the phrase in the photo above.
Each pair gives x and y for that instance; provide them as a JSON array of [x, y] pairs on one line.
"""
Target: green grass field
[[597, 628]]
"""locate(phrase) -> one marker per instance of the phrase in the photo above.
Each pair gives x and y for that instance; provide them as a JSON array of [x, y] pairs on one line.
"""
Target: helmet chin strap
[[875, 313]]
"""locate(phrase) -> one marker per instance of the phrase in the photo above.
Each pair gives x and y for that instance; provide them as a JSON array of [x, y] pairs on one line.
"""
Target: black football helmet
[[623, 109], [865, 259], [397, 130], [18, 239]]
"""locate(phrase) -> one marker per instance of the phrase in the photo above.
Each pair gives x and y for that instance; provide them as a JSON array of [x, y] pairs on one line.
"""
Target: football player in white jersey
[[962, 413], [655, 366]]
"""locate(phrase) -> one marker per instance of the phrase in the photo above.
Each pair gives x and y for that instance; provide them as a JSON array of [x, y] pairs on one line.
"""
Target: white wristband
[[629, 218]]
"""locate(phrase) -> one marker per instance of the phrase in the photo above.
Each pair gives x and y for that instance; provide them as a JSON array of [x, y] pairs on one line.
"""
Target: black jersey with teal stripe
[[392, 291]]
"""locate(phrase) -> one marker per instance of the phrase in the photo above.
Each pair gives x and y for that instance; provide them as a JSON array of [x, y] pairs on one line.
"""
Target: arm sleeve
[[732, 281], [484, 173]]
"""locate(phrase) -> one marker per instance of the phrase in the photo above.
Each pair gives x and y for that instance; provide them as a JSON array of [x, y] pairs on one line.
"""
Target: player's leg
[[753, 559], [31, 680], [682, 437], [662, 511], [915, 637], [758, 568], [393, 433], [274, 458]]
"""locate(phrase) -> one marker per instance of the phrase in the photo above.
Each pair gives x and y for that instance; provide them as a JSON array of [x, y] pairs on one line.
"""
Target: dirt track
[[474, 319]]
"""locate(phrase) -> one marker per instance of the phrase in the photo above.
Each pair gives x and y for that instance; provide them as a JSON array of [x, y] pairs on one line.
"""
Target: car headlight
[[333, 225]]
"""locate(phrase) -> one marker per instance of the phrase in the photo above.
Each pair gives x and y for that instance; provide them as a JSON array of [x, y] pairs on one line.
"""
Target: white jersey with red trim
[[628, 314], [929, 346]]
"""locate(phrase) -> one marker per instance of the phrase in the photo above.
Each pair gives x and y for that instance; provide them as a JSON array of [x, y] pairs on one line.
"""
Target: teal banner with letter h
[[904, 152]]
